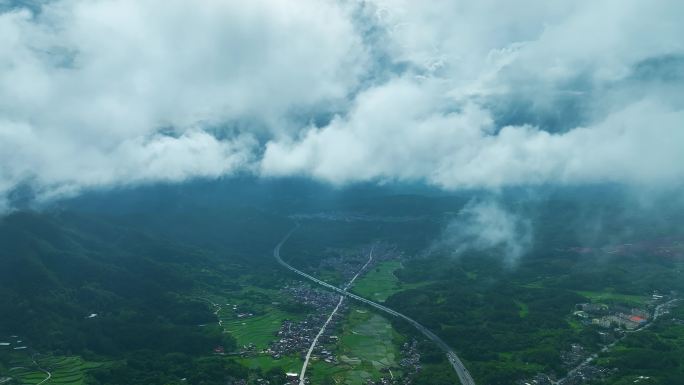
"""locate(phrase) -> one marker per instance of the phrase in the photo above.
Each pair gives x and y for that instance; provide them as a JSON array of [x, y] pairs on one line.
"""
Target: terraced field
[[64, 370]]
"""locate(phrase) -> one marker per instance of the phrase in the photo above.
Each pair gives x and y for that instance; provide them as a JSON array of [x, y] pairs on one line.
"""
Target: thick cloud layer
[[453, 93], [113, 92], [588, 92]]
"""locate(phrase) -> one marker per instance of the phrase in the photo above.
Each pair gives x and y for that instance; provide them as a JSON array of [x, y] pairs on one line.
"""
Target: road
[[49, 375], [217, 309], [302, 374], [460, 369], [659, 310]]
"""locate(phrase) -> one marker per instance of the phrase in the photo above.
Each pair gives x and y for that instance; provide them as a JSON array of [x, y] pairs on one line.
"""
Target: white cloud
[[402, 131], [85, 86], [477, 66], [453, 93], [487, 226]]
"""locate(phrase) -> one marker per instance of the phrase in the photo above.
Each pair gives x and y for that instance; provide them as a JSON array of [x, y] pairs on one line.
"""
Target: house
[[604, 322], [641, 313], [581, 314], [292, 378], [593, 307]]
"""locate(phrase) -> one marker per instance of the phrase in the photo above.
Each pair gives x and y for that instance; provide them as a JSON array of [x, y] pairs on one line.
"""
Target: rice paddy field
[[63, 370], [368, 344]]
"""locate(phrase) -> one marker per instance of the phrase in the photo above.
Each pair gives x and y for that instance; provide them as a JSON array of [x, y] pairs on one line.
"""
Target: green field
[[259, 330], [524, 310], [380, 282], [611, 296], [367, 344], [265, 363], [64, 370]]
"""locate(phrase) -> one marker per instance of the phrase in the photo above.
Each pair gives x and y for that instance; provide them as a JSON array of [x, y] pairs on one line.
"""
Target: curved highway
[[460, 369]]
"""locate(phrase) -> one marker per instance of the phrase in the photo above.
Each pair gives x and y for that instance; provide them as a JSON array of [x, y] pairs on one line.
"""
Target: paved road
[[656, 313], [302, 373], [460, 369]]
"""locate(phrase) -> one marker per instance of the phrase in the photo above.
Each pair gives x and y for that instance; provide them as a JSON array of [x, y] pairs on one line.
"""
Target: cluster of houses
[[586, 374], [14, 343], [573, 356], [11, 343], [618, 318], [612, 316], [409, 364], [582, 375], [296, 336]]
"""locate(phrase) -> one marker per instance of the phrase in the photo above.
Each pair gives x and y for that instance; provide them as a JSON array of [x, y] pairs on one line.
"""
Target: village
[[612, 316], [410, 364], [615, 320], [13, 343], [295, 336]]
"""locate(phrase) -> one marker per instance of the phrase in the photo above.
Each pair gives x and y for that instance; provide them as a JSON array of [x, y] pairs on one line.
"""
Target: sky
[[454, 94]]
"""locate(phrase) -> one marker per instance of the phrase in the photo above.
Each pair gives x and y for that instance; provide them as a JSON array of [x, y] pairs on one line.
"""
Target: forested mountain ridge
[[57, 270]]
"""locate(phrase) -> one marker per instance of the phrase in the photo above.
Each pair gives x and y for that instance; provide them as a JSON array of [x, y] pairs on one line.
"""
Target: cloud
[[404, 130], [454, 93], [113, 92], [487, 226], [526, 95]]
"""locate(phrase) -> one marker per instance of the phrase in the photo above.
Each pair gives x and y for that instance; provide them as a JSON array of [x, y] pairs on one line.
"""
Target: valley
[[157, 302]]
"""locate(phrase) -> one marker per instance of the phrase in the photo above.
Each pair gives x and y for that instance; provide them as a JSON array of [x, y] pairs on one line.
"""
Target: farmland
[[63, 370], [368, 343]]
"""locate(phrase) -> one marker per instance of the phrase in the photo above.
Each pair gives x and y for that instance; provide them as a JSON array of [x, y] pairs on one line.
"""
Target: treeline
[[151, 368]]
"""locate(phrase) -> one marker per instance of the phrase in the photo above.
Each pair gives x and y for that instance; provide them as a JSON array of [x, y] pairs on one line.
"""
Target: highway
[[460, 369]]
